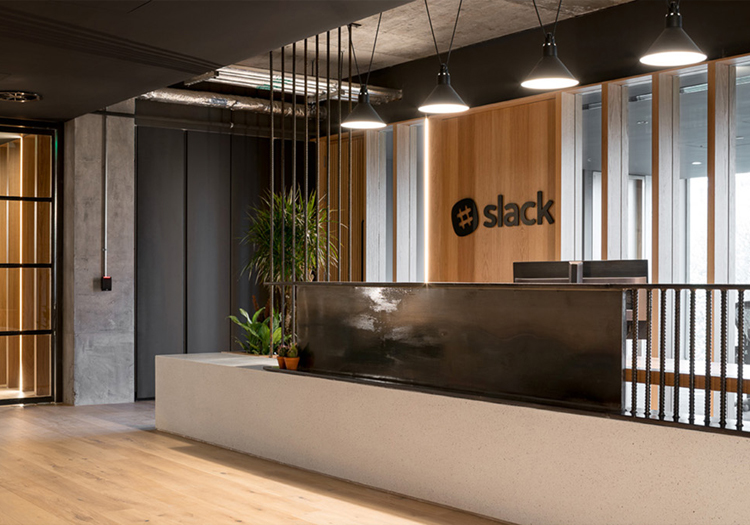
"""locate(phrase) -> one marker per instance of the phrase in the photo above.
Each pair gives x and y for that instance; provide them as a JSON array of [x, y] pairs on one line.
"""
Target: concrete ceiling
[[405, 31], [82, 56]]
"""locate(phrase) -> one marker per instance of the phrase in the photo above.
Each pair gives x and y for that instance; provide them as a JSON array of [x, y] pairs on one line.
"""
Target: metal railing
[[685, 357]]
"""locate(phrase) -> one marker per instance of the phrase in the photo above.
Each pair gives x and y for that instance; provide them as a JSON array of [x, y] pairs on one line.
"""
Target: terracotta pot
[[291, 362], [280, 359]]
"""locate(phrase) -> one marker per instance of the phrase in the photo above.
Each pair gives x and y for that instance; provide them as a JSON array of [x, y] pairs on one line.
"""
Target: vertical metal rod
[[105, 198], [283, 195], [677, 353], [691, 409], [634, 357], [351, 178], [649, 314], [273, 190], [307, 172], [709, 336], [662, 352], [318, 262], [338, 171], [328, 157], [740, 356], [295, 195], [723, 393]]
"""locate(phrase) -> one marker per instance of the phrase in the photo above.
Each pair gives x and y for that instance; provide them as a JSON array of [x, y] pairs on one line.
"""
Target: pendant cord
[[372, 56], [453, 36], [538, 17]]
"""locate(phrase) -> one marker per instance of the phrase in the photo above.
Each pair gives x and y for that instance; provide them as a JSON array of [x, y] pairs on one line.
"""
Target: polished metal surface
[[560, 346]]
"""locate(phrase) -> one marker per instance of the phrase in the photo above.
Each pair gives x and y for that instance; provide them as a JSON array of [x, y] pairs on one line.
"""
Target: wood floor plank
[[108, 465]]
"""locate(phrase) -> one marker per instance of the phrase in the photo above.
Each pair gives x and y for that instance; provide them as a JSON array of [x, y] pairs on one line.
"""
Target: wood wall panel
[[340, 212], [503, 150]]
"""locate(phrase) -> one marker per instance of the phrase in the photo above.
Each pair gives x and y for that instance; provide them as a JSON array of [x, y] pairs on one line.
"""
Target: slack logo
[[465, 220], [465, 217]]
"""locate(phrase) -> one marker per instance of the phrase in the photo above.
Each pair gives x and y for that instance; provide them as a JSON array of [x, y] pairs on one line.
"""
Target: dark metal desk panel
[[559, 345]]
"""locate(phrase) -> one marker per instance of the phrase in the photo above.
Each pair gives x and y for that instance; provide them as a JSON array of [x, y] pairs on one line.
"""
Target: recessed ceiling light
[[697, 163], [19, 96]]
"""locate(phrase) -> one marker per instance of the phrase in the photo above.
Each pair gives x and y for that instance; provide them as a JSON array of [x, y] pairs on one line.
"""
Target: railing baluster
[[723, 393], [676, 353], [662, 352], [691, 415], [740, 355], [649, 313], [634, 364], [709, 325]]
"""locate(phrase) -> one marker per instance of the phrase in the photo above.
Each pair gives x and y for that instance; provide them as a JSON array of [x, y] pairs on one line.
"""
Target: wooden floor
[[107, 464]]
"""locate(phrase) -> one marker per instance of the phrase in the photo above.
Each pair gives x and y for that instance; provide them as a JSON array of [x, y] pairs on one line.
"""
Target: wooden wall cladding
[[340, 209], [507, 150]]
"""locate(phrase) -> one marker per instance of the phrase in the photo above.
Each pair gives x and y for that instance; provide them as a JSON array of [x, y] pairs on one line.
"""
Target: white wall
[[523, 465]]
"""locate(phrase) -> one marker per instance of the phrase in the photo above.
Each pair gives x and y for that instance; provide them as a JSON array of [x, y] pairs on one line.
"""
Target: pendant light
[[364, 116], [673, 47], [549, 72], [443, 98]]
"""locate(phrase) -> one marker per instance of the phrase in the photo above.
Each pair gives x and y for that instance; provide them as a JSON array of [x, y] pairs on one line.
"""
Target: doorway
[[27, 211]]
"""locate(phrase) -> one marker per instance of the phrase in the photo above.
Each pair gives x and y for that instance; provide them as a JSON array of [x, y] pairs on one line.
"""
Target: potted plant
[[258, 331], [281, 356], [291, 356], [302, 223]]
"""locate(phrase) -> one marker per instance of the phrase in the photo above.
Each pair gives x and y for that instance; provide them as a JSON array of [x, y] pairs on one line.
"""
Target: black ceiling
[[84, 55]]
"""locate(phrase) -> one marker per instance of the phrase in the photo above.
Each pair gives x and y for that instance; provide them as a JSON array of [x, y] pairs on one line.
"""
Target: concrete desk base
[[515, 463]]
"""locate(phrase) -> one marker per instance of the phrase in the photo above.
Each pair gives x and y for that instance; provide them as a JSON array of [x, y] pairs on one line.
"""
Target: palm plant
[[295, 220], [301, 235]]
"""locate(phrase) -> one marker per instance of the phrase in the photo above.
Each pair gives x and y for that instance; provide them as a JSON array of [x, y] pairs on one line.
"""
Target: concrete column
[[99, 327]]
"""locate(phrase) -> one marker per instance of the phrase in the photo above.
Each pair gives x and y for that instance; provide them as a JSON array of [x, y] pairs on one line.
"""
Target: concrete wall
[[520, 464], [99, 327]]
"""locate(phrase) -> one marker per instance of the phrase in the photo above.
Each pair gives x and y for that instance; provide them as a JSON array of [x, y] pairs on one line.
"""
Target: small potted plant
[[291, 356], [280, 356]]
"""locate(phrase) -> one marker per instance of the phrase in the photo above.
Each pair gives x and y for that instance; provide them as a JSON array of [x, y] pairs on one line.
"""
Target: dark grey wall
[[195, 189], [600, 46]]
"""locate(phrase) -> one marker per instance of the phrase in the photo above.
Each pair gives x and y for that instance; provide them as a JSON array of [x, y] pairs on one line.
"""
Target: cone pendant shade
[[363, 116], [673, 47], [443, 98], [550, 72]]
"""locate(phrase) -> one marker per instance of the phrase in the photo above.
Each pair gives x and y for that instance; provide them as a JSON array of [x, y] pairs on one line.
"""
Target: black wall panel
[[250, 181], [160, 238], [195, 190], [208, 241]]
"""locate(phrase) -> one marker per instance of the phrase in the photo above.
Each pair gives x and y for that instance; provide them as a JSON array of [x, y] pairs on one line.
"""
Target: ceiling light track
[[258, 78]]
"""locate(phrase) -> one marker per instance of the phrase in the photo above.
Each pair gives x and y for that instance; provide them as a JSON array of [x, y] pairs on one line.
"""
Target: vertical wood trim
[[624, 172], [402, 200], [611, 170], [567, 160], [662, 159], [720, 122], [375, 221]]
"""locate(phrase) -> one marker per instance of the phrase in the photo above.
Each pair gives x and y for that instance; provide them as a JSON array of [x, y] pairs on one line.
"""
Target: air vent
[[19, 96]]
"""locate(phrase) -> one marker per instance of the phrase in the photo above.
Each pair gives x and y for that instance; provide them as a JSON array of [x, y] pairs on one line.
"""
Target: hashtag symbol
[[465, 217]]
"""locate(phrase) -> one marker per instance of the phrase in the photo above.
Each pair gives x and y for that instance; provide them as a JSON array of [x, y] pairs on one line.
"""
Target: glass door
[[26, 265]]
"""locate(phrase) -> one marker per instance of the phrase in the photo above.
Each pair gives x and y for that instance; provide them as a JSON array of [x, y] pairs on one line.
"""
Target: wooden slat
[[28, 362], [43, 365], [700, 380], [14, 361]]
